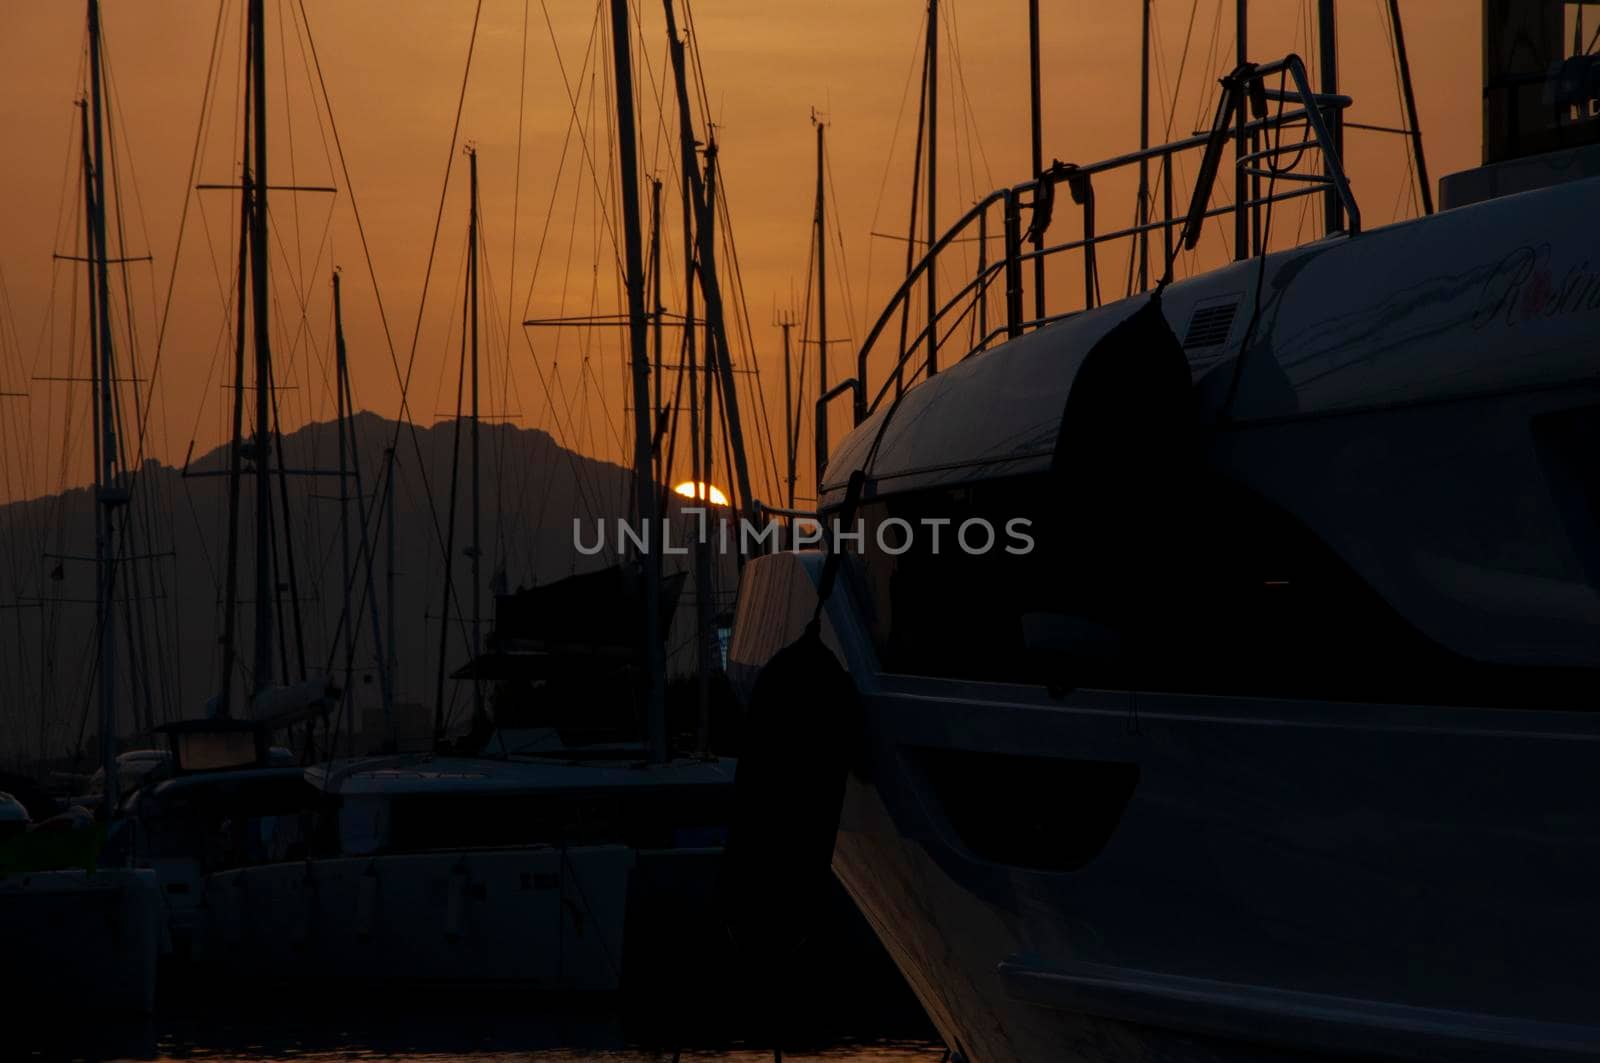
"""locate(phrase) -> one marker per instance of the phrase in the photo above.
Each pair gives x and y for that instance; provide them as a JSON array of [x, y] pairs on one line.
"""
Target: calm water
[[318, 1031]]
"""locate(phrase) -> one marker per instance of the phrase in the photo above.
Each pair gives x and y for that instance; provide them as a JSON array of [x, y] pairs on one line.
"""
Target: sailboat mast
[[477, 497], [350, 465], [715, 353], [1413, 123], [704, 587], [340, 371], [109, 493], [392, 657], [933, 175], [263, 347], [1328, 62], [104, 355], [1144, 144], [102, 611], [230, 596], [91, 263], [717, 357], [448, 591], [911, 224], [1241, 221], [638, 340], [821, 221], [791, 416], [690, 343], [1038, 153], [699, 473], [657, 311]]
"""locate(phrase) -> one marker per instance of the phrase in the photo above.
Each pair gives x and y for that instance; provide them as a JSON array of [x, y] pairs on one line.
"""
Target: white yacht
[[1279, 743]]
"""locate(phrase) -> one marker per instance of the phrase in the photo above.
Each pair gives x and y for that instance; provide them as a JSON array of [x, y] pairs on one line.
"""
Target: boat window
[[1230, 595], [235, 820], [363, 825], [1541, 89], [938, 609]]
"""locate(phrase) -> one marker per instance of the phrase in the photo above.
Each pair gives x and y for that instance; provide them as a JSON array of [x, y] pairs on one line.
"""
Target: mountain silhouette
[[170, 589]]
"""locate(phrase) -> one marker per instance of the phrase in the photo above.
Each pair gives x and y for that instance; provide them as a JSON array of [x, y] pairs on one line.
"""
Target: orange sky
[[393, 72]]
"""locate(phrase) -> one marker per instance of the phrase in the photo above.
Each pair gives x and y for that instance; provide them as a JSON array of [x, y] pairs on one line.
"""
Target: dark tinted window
[[1218, 592]]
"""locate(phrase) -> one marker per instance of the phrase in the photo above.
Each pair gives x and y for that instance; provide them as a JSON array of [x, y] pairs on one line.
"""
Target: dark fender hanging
[[802, 726]]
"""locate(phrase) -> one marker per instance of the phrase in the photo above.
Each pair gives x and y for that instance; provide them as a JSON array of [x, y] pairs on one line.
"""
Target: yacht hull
[[1358, 822], [1254, 909], [1125, 875]]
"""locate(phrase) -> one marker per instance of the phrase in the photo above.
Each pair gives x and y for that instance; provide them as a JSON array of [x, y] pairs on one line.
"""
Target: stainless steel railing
[[1244, 116]]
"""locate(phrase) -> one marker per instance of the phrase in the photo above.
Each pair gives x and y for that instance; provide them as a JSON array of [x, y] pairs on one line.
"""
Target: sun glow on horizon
[[703, 491]]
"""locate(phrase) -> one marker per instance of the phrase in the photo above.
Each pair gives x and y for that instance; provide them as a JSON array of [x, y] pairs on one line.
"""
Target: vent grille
[[1210, 325]]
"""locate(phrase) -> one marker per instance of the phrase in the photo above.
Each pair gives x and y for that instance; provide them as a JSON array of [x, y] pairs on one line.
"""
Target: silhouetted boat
[[507, 856], [79, 933], [1278, 741]]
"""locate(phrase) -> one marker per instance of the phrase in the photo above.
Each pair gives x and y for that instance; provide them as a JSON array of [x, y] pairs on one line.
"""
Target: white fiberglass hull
[[1109, 876], [1331, 794], [1258, 913]]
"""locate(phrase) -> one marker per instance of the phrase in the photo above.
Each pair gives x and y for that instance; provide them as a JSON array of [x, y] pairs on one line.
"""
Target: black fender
[[801, 735]]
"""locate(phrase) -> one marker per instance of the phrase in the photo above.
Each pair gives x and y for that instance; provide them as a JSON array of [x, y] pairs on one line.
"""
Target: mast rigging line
[[754, 386], [572, 101], [183, 218], [1416, 159], [121, 539], [718, 356], [551, 384], [841, 261], [89, 221], [143, 409], [375, 507], [501, 549], [450, 526], [755, 389], [894, 138]]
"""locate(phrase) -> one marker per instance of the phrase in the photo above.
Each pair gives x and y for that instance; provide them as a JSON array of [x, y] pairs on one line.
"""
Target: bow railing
[[978, 315]]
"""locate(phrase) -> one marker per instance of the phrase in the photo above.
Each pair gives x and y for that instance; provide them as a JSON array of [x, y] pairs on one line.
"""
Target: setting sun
[[711, 492]]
